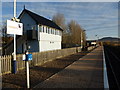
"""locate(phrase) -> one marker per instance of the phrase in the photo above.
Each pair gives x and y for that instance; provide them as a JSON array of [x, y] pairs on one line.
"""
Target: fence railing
[[38, 58], [6, 65]]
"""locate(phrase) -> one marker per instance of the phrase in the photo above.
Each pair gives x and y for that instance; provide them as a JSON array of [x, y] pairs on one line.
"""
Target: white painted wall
[[49, 42]]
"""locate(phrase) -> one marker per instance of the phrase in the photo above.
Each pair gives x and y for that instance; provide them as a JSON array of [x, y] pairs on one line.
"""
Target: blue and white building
[[40, 34]]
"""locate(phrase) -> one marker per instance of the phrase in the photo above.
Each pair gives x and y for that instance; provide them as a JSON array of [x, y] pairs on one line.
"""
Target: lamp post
[[97, 38], [82, 38]]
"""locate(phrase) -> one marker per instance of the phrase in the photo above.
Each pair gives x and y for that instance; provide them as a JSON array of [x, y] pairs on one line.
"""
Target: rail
[[111, 68]]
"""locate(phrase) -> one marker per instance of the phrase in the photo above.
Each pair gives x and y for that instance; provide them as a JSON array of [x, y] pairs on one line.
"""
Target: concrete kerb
[[106, 84]]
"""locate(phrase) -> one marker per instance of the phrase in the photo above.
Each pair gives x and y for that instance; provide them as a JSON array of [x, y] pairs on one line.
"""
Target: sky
[[97, 18]]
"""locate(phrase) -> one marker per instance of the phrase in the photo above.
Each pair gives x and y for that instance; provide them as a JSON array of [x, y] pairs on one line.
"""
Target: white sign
[[14, 27], [93, 42], [24, 57]]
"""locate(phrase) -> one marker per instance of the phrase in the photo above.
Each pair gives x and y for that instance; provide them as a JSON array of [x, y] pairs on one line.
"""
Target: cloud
[[62, 0], [90, 15]]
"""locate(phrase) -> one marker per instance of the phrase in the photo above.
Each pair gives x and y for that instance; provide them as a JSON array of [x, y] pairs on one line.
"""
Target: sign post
[[28, 78], [27, 57], [13, 27], [16, 29], [14, 61]]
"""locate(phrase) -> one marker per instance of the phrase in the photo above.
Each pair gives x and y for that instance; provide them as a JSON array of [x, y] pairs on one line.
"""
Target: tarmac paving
[[87, 72]]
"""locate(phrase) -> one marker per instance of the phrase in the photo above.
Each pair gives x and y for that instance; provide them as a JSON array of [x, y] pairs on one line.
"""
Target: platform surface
[[87, 72]]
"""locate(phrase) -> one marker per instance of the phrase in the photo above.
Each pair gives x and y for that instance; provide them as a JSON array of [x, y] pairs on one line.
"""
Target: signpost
[[16, 29], [14, 61], [27, 57], [13, 27]]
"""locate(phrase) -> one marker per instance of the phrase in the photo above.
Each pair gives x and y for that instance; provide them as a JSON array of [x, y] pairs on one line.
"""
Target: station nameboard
[[14, 27]]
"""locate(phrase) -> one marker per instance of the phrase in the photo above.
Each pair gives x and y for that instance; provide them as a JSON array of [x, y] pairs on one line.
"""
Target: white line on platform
[[106, 84]]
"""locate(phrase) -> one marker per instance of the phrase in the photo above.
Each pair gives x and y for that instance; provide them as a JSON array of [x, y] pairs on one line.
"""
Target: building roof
[[41, 20]]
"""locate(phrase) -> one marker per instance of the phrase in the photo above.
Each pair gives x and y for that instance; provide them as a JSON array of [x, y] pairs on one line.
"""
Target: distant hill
[[109, 39]]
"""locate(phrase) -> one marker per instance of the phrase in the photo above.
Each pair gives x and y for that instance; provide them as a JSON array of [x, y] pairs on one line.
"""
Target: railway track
[[113, 68]]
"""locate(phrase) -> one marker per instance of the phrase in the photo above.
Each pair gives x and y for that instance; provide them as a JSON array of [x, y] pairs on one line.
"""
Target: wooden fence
[[5, 62], [38, 58]]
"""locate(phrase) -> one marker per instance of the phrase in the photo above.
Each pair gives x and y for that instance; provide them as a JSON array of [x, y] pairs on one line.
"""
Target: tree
[[75, 31], [6, 38], [72, 31], [59, 19]]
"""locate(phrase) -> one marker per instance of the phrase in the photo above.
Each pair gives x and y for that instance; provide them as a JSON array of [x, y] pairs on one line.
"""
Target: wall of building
[[28, 22], [20, 49], [49, 42], [34, 45], [49, 39]]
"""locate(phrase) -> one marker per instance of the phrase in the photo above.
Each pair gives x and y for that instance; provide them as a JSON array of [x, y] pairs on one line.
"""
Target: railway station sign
[[14, 27]]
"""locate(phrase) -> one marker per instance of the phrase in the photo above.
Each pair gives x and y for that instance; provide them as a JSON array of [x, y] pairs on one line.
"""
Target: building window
[[54, 31], [43, 29], [48, 30], [57, 32], [40, 29], [51, 31], [60, 33]]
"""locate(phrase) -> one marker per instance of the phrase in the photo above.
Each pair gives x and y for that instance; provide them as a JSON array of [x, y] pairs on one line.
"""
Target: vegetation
[[5, 37], [108, 43], [73, 32]]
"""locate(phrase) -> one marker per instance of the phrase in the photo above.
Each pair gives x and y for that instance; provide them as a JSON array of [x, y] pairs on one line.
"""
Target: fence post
[[0, 65]]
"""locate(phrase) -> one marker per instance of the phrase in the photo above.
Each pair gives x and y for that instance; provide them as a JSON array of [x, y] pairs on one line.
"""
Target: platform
[[87, 72]]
